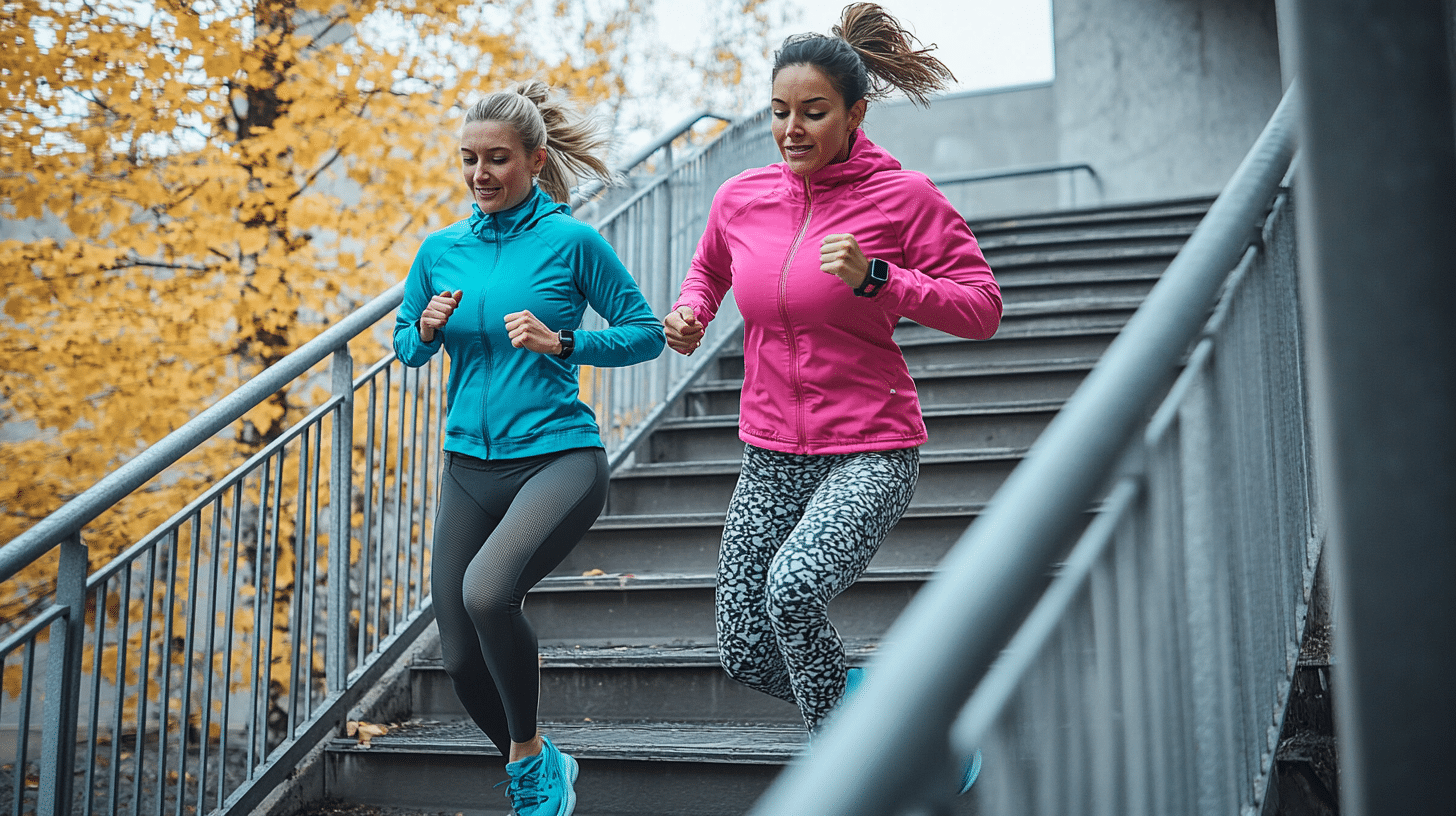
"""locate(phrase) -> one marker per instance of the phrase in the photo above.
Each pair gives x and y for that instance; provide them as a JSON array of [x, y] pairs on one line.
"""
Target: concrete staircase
[[630, 680]]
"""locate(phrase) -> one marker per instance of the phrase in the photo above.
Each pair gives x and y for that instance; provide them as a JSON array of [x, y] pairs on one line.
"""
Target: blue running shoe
[[853, 677], [541, 785], [971, 771]]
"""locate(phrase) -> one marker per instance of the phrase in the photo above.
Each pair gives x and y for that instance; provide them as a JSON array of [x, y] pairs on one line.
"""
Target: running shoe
[[541, 785]]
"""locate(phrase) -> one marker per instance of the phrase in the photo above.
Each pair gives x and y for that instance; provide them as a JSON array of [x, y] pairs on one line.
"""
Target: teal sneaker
[[855, 676], [971, 771], [541, 785]]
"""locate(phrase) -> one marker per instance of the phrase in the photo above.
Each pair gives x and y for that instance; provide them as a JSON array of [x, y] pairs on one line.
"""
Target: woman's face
[[811, 124], [497, 167]]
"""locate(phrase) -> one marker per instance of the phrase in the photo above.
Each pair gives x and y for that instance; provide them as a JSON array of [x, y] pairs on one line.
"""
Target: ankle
[[522, 750]]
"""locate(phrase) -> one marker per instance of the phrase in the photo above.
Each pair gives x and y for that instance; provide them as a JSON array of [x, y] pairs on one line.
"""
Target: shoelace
[[524, 792]]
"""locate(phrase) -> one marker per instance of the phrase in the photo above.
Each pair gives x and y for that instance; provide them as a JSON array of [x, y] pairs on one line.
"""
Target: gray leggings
[[800, 529], [502, 526]]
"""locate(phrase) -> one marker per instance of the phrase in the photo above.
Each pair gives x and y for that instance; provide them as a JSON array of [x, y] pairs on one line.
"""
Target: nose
[[478, 173]]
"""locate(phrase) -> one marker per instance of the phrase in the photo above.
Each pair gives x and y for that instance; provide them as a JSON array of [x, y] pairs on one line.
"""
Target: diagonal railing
[[193, 672], [1146, 671]]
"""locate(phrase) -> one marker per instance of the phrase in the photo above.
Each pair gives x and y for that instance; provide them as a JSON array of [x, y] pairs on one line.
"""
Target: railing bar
[[295, 601], [164, 698], [22, 733], [384, 420], [419, 477], [310, 633], [260, 592], [144, 679], [122, 653], [95, 714], [399, 475], [366, 547], [207, 681], [30, 630], [235, 567], [189, 642], [417, 419], [267, 595]]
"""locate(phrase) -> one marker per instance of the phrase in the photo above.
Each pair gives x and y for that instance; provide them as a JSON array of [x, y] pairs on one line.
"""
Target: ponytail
[[542, 119], [869, 54]]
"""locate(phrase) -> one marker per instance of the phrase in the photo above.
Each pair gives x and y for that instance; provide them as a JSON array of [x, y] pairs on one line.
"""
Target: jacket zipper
[[796, 380], [485, 344]]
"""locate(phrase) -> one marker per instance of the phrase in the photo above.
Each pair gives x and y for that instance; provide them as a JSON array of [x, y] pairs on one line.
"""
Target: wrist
[[875, 278]]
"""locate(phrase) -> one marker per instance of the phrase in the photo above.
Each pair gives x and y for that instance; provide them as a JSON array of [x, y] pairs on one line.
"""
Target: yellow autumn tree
[[191, 190]]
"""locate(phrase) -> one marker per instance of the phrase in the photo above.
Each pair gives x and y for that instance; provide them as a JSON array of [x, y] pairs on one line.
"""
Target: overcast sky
[[986, 43]]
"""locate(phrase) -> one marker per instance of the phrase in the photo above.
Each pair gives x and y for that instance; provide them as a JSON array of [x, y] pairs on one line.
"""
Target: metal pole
[[63, 683], [1378, 239], [341, 472]]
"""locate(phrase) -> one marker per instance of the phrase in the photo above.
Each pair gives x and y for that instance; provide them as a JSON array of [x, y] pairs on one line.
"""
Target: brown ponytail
[[869, 54]]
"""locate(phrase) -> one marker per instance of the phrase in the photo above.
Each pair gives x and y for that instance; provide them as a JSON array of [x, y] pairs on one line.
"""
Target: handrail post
[[341, 481], [63, 682]]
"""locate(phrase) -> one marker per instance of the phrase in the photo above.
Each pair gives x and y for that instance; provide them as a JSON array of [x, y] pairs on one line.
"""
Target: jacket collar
[[865, 159], [494, 226]]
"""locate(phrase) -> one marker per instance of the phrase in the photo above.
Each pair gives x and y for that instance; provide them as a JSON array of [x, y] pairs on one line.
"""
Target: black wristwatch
[[878, 276], [568, 343]]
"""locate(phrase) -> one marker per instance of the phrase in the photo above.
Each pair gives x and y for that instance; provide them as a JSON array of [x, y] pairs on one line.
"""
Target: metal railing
[[194, 671], [1069, 168], [1150, 675]]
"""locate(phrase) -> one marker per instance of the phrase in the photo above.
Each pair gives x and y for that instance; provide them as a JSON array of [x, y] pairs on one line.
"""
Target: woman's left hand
[[529, 333], [840, 255]]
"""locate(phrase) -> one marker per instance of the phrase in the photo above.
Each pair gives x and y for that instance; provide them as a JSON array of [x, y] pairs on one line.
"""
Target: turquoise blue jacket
[[505, 402]]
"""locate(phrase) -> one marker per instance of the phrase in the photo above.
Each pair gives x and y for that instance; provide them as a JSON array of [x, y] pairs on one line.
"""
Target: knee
[[488, 607], [790, 598]]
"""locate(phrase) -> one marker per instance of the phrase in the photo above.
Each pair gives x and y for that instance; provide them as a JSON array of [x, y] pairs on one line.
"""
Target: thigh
[[554, 506], [772, 492], [848, 516]]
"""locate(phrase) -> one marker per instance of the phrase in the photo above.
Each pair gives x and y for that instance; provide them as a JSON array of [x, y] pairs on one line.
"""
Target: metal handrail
[[587, 191], [1017, 172], [894, 738]]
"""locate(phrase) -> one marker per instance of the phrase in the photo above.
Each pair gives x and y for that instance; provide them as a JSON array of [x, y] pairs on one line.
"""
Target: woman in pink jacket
[[825, 252]]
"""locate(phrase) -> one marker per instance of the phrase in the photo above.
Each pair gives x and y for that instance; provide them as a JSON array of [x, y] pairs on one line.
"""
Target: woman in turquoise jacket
[[525, 474]]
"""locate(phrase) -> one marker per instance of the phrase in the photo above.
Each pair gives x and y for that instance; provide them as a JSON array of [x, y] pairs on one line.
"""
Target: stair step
[[1184, 210], [946, 477], [686, 543], [626, 683], [626, 769], [678, 609], [949, 427]]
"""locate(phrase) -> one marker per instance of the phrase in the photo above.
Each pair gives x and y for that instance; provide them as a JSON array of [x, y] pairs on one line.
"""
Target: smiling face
[[497, 167], [811, 124]]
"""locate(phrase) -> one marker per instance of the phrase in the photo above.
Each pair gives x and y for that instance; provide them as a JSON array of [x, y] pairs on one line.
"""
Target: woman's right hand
[[684, 332], [437, 313]]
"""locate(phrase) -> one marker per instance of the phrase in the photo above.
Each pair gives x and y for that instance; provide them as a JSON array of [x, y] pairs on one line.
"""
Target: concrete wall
[[1162, 97]]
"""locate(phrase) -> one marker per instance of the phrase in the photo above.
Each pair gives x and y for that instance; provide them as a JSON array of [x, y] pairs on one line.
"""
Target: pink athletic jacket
[[822, 373]]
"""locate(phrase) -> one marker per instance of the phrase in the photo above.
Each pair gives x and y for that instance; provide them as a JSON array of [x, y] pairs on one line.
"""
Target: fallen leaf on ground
[[592, 573], [365, 731]]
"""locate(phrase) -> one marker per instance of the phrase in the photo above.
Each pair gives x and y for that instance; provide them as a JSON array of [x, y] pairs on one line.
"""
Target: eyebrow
[[805, 102]]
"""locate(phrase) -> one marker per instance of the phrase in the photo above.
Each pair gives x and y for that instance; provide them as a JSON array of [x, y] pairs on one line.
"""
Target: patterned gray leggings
[[800, 529]]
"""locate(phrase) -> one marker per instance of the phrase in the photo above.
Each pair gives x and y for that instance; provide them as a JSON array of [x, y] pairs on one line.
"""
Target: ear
[[857, 113], [538, 161]]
